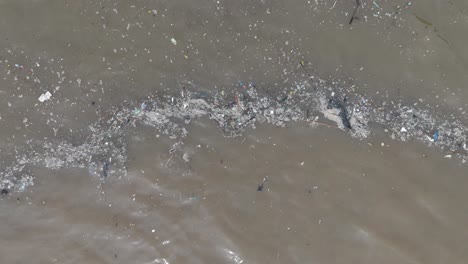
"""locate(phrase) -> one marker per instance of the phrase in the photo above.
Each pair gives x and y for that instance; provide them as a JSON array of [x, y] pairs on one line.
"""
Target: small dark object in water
[[4, 192], [305, 70], [93, 103], [260, 186], [105, 169], [345, 118], [358, 4]]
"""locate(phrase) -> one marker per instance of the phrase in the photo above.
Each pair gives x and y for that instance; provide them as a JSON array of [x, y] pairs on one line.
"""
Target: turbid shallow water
[[327, 196]]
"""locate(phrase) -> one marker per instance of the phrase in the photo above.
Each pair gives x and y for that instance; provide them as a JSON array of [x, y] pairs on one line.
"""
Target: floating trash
[[44, 97], [313, 101]]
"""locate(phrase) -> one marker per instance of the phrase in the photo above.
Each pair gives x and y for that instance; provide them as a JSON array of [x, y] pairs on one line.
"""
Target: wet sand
[[328, 198]]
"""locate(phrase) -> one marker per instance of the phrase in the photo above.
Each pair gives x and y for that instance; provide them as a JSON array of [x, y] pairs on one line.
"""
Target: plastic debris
[[186, 157], [174, 41], [141, 109], [234, 112], [435, 136], [45, 96], [343, 112]]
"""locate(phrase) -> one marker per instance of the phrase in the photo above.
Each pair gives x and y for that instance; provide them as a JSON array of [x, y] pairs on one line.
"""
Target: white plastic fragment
[[174, 41], [44, 97], [186, 157], [403, 130]]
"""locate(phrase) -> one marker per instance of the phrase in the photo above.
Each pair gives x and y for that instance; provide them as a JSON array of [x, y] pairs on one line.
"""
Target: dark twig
[[358, 4], [305, 70]]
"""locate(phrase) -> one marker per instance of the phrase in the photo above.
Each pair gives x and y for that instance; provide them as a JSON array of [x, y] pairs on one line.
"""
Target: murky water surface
[[280, 193]]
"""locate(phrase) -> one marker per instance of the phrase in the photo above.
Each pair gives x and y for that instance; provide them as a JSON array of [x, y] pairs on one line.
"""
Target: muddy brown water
[[327, 198]]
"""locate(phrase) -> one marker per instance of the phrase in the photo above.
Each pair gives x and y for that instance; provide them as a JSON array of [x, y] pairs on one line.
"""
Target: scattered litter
[[234, 113], [174, 41], [44, 97]]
